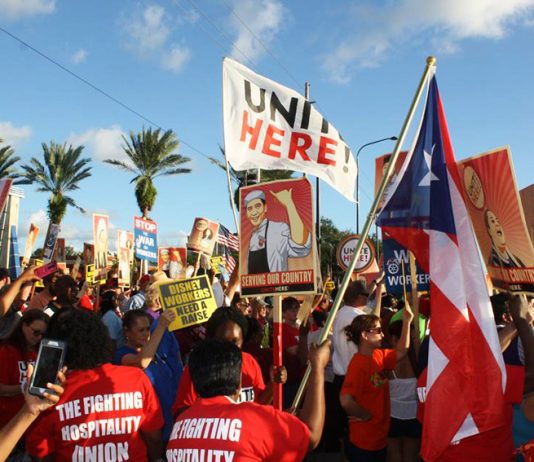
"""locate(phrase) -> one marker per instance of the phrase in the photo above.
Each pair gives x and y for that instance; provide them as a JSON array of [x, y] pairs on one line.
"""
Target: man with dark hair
[[107, 412], [66, 291], [217, 426], [229, 324]]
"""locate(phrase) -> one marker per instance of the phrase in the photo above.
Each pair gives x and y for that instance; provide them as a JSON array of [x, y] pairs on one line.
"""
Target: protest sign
[[203, 236], [5, 186], [30, 244], [88, 254], [381, 164], [14, 259], [192, 299], [146, 239], [345, 249], [125, 240], [60, 255], [494, 206], [394, 255], [217, 263], [270, 126], [172, 260], [50, 242], [124, 276], [101, 240], [278, 247], [90, 274]]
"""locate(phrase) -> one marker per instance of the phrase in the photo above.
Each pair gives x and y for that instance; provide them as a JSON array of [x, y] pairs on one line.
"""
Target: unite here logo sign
[[146, 239]]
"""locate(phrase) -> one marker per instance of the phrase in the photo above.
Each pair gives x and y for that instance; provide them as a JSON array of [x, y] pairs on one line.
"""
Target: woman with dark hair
[[110, 318], [141, 350], [106, 412], [231, 325], [19, 349]]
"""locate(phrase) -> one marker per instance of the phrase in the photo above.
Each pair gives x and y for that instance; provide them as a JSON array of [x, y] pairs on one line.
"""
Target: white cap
[[252, 195]]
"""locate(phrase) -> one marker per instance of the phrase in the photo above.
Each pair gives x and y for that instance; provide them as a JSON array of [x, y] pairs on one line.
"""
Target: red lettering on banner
[[270, 140], [325, 149], [253, 131], [301, 149]]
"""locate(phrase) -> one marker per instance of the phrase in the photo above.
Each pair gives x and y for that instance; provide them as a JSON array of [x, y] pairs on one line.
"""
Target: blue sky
[[163, 59]]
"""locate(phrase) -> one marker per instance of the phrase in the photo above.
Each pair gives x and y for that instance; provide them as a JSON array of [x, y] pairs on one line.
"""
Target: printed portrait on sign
[[203, 236], [100, 236], [277, 235]]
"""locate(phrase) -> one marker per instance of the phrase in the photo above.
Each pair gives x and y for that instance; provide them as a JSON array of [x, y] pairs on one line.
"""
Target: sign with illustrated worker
[[192, 299], [277, 249], [495, 209]]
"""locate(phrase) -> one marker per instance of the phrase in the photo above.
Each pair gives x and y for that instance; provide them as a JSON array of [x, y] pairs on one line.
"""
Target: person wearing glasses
[[365, 391], [16, 352]]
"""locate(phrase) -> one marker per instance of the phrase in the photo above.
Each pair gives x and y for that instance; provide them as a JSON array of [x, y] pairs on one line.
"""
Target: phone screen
[[47, 367]]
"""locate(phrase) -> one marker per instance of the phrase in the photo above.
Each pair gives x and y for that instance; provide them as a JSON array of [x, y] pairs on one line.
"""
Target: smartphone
[[50, 360], [47, 269]]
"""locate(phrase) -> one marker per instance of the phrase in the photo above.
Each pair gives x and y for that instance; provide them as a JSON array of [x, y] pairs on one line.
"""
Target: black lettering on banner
[[248, 98]]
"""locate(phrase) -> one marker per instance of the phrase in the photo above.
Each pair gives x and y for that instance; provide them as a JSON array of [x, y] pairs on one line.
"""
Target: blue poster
[[146, 239], [393, 255]]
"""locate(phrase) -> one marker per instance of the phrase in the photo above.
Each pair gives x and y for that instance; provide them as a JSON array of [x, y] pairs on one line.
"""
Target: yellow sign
[[215, 262], [329, 286], [90, 273], [192, 299]]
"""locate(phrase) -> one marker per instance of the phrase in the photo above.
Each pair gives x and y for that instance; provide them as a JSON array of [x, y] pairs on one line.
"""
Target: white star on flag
[[429, 177]]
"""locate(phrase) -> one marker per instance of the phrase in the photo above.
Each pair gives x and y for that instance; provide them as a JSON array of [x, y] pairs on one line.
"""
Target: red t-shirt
[[13, 368], [219, 429], [366, 382], [99, 417], [290, 336], [252, 384]]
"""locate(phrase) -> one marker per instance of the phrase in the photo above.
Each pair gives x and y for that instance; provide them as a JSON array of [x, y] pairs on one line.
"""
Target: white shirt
[[343, 349], [279, 244]]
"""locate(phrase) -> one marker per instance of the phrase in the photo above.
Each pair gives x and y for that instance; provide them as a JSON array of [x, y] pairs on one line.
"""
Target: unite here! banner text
[[269, 126]]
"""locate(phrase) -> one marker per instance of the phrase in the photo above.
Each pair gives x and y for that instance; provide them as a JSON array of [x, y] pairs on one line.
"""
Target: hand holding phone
[[47, 269], [50, 360]]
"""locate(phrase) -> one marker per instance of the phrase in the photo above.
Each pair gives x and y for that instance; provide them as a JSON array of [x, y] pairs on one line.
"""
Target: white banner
[[269, 126]]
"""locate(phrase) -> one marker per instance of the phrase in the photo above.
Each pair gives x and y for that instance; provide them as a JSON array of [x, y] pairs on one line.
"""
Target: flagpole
[[230, 195], [430, 65]]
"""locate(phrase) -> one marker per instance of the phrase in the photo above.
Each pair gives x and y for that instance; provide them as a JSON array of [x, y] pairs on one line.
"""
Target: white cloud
[[264, 18], [16, 9], [442, 23], [149, 30], [176, 58], [14, 135], [79, 57], [102, 143]]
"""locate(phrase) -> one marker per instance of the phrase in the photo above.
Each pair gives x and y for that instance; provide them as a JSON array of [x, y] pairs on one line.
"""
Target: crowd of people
[[132, 390]]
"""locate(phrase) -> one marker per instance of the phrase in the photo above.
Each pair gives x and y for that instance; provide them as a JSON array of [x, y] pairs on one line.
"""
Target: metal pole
[[430, 64], [389, 138]]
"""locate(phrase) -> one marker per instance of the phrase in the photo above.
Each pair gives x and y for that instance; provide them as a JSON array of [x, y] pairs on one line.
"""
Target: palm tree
[[246, 177], [150, 155], [63, 169], [7, 161]]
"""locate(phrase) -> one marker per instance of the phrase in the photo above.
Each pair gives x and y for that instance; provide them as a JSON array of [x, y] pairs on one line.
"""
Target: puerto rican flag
[[425, 212]]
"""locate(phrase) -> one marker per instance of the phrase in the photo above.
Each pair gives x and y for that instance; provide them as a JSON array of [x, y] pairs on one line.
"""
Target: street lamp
[[390, 138]]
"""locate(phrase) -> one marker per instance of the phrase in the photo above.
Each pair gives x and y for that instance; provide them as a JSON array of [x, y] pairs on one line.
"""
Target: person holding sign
[[217, 427], [272, 243], [141, 350]]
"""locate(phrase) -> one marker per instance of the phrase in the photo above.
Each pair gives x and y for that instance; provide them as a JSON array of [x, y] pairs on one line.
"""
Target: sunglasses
[[37, 332], [375, 330]]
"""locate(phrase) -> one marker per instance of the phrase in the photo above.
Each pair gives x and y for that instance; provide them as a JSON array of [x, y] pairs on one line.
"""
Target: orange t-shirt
[[366, 382]]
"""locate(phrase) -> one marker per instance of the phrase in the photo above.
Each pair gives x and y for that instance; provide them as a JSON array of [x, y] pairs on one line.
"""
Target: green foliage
[[7, 162], [150, 154], [61, 172]]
